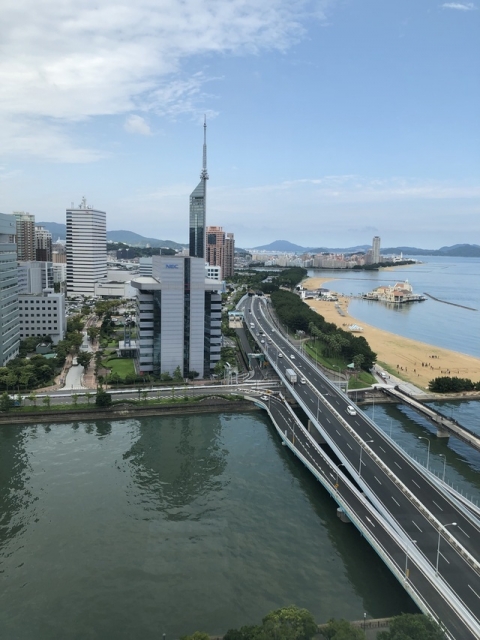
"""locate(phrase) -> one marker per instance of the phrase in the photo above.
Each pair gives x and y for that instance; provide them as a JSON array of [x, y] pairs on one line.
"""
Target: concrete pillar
[[342, 515], [441, 433]]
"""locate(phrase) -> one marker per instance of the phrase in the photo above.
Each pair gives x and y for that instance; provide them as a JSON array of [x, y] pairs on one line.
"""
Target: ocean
[[453, 280]]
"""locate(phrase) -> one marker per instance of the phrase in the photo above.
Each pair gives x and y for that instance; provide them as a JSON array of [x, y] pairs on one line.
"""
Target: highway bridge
[[412, 515]]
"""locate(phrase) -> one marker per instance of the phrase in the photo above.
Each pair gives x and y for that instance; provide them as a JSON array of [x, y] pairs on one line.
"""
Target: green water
[[135, 528]]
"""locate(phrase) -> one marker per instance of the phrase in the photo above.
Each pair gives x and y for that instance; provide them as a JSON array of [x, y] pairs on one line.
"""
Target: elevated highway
[[442, 533]]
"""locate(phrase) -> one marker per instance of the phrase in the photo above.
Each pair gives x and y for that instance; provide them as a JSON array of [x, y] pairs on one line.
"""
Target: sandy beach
[[399, 354]]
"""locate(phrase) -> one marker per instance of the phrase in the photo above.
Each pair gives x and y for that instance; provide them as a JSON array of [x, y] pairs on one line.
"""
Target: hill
[[128, 237]]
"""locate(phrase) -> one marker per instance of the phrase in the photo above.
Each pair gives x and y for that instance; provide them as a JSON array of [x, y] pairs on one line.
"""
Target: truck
[[291, 375]]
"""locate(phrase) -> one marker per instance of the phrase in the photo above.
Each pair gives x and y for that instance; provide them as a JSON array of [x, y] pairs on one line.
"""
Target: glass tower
[[198, 207]]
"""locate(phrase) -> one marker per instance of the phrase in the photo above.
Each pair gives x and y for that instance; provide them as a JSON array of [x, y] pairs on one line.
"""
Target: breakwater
[[453, 304]]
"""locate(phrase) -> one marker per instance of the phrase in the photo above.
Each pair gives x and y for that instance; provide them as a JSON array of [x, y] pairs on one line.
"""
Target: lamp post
[[450, 524], [428, 450], [361, 451], [442, 455]]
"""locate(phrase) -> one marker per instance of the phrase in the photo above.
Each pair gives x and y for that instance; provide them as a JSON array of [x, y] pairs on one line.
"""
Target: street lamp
[[428, 450], [442, 455], [450, 524], [361, 451]]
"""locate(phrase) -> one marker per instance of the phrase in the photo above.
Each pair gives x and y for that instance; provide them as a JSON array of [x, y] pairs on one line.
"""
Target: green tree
[[84, 358], [46, 401], [198, 635], [6, 403], [413, 626], [177, 375], [103, 399], [144, 395], [75, 399], [33, 399], [342, 630], [88, 396], [92, 333], [290, 623]]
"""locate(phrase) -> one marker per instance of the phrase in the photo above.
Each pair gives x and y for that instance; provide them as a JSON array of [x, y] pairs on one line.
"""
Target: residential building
[[42, 315], [25, 235], [178, 318], [376, 250], [221, 250], [43, 245], [198, 208], [86, 249], [9, 333]]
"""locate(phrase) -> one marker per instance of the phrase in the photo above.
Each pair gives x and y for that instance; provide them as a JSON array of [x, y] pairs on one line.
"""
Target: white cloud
[[69, 60], [460, 6], [137, 124]]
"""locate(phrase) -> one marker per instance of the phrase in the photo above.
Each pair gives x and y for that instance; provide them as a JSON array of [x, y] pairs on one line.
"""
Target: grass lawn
[[122, 366], [361, 380], [358, 381]]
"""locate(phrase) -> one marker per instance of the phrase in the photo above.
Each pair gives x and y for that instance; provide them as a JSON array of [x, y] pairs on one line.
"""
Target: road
[[406, 497]]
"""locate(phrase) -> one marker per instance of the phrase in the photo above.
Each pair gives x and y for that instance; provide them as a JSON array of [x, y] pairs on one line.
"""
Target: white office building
[[34, 277], [9, 333], [178, 318], [42, 315], [86, 249]]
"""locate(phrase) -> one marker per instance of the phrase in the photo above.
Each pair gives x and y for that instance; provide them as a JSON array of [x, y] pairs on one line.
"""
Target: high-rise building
[[43, 245], [376, 250], [42, 314], [178, 318], [198, 208], [228, 266], [86, 248], [220, 250], [25, 235], [9, 331]]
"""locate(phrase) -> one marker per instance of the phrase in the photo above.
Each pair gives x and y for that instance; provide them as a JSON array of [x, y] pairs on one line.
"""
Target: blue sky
[[328, 122]]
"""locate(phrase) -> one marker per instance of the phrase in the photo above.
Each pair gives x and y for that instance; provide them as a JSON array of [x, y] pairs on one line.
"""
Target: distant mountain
[[456, 250], [128, 237], [281, 245]]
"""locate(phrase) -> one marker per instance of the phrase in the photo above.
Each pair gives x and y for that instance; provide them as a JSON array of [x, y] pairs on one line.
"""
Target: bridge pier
[[441, 433], [316, 435], [343, 516]]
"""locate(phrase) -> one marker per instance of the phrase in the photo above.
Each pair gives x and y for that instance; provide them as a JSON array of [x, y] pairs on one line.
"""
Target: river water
[[135, 528], [454, 280]]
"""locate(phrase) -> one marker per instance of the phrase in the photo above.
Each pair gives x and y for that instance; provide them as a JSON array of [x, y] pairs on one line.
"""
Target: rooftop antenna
[[204, 174]]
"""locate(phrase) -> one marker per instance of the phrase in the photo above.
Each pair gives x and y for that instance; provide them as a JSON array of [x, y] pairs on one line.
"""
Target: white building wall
[[42, 315], [197, 316], [9, 331]]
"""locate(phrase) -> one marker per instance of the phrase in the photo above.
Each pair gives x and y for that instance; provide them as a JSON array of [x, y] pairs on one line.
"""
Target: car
[[262, 341], [280, 355], [303, 381], [264, 398], [351, 410], [292, 357]]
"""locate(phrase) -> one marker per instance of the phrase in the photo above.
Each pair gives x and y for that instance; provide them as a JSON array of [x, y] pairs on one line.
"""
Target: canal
[[135, 528]]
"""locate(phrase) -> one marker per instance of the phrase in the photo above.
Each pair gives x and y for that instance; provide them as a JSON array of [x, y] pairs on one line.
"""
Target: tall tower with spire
[[198, 207]]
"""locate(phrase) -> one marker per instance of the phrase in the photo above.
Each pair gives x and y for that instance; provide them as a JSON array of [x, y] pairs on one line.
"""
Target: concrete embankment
[[127, 410]]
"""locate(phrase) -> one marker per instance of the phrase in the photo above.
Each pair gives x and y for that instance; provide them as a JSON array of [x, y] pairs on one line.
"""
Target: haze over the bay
[[329, 121]]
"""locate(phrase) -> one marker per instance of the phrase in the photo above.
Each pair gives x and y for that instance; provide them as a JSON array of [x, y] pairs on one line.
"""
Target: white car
[[280, 355], [351, 410], [303, 381], [292, 357]]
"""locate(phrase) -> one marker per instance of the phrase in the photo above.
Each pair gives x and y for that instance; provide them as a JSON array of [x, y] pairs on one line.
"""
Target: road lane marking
[[473, 591], [396, 502], [464, 532], [337, 431], [367, 518], [367, 433], [350, 447], [437, 505], [382, 449], [377, 479], [417, 526], [416, 483], [327, 419], [397, 464], [444, 557]]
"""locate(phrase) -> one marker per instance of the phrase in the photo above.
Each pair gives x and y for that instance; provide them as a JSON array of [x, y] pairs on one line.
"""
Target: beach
[[414, 361]]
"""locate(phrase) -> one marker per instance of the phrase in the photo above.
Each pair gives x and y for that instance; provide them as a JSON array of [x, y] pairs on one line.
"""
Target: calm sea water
[[454, 280], [135, 528]]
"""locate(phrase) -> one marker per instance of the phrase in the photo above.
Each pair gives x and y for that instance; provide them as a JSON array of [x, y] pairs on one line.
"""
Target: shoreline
[[414, 361]]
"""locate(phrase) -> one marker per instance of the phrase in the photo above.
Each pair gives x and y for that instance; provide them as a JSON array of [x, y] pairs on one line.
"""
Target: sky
[[328, 121]]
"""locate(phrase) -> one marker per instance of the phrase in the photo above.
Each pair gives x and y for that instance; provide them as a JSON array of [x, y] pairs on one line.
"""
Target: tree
[[177, 375], [6, 403], [358, 360], [92, 333], [88, 396], [84, 358], [290, 623], [342, 630], [75, 399], [413, 626], [103, 399], [46, 401], [198, 635], [33, 399]]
